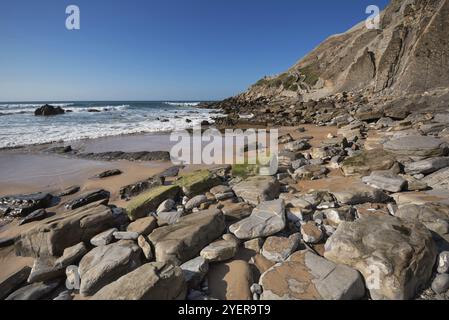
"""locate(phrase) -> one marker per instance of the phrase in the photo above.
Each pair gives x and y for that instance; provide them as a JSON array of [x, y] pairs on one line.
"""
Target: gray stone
[[441, 283], [169, 217], [438, 180], [37, 215], [14, 281], [34, 291], [395, 256], [236, 211], [87, 198], [185, 239], [255, 190], [152, 281], [106, 264], [104, 238], [220, 250], [166, 206], [420, 146], [278, 249], [64, 296], [427, 166], [145, 245], [71, 255], [306, 276], [359, 193], [339, 215], [143, 226], [194, 271], [311, 232], [267, 219], [385, 180], [45, 269], [434, 216], [196, 202], [126, 235], [443, 262], [24, 204]]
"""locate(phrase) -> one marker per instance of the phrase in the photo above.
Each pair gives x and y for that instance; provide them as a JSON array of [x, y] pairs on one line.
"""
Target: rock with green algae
[[198, 182], [149, 201]]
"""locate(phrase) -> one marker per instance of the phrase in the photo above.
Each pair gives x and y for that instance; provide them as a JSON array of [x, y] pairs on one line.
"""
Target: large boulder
[[255, 190], [198, 182], [367, 161], [182, 241], [137, 188], [267, 219], [417, 146], [106, 264], [51, 236], [48, 110], [395, 256], [434, 216], [306, 276], [152, 281], [14, 282], [230, 281], [149, 201]]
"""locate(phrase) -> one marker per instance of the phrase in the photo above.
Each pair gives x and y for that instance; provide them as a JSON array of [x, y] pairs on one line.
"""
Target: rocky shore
[[361, 214]]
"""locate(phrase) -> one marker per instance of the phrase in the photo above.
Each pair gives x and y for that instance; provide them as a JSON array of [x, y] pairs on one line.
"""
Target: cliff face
[[408, 55]]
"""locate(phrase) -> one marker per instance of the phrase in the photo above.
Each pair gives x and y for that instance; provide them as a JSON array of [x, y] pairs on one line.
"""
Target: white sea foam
[[183, 104]]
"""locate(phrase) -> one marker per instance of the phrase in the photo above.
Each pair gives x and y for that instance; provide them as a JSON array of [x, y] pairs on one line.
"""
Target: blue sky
[[159, 49]]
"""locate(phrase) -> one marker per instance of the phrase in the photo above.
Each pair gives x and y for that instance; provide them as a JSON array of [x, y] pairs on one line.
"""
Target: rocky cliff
[[407, 56]]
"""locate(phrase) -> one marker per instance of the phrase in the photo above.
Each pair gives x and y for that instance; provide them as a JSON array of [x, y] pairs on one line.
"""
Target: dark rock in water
[[34, 291], [48, 110], [69, 191], [61, 150], [135, 189], [88, 198], [130, 156], [171, 172], [109, 173], [93, 111], [13, 282], [6, 242], [188, 121], [37, 215], [22, 205], [205, 123]]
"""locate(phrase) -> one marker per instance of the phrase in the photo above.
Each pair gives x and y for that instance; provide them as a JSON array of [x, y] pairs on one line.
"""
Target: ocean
[[20, 127]]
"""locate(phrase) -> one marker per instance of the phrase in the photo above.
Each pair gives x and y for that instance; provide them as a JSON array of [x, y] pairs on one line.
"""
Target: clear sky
[[159, 49]]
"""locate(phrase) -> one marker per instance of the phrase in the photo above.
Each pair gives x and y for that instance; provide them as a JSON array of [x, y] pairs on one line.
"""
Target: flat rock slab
[[433, 215], [106, 264], [395, 256], [51, 236], [143, 226], [34, 291], [438, 180], [359, 193], [182, 241], [133, 190], [267, 219], [87, 198], [37, 215], [427, 166], [194, 271], [130, 156], [220, 250], [306, 276], [152, 281], [418, 146], [149, 201], [257, 189], [368, 161], [385, 180]]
